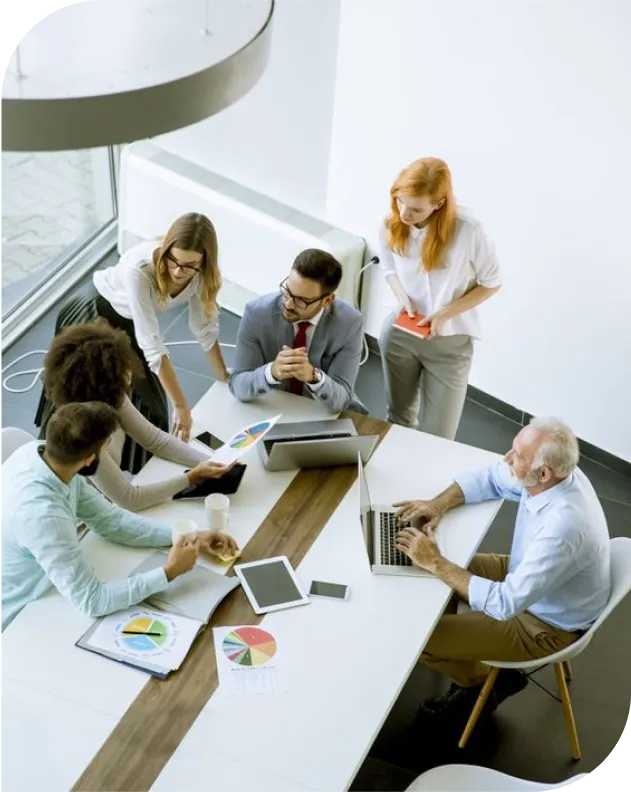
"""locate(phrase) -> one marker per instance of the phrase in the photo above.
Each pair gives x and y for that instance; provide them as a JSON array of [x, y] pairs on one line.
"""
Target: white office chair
[[12, 439], [470, 778], [620, 587]]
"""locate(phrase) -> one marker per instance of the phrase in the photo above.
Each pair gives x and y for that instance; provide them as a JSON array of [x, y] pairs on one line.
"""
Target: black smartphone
[[210, 440], [321, 589]]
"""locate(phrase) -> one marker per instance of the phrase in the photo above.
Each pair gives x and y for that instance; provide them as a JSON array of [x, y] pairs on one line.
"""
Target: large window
[[54, 204]]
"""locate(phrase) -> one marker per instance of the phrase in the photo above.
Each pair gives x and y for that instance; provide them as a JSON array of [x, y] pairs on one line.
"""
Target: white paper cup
[[181, 527], [217, 511]]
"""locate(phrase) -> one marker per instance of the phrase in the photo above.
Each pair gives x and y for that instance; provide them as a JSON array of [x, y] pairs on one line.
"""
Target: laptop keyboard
[[389, 527]]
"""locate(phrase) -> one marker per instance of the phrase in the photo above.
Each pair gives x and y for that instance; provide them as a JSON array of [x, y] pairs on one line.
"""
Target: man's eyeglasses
[[300, 302], [173, 263]]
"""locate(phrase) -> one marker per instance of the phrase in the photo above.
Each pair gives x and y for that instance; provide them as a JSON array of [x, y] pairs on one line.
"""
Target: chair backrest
[[471, 778], [12, 439], [620, 576]]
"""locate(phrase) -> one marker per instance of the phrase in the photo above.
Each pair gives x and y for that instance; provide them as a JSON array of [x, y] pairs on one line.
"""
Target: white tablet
[[271, 584]]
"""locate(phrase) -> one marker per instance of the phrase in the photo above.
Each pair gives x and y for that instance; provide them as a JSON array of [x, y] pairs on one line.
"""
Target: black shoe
[[509, 682], [456, 695], [457, 698]]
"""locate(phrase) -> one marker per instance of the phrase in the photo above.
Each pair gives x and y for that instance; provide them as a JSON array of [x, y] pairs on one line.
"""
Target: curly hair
[[90, 362]]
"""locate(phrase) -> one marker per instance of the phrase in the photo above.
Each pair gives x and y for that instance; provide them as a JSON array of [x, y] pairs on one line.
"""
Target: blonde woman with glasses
[[152, 277]]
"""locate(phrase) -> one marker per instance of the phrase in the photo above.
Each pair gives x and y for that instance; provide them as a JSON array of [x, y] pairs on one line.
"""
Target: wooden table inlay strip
[[148, 734]]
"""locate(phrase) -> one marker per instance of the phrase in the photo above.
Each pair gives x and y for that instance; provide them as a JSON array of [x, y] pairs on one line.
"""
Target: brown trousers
[[460, 641]]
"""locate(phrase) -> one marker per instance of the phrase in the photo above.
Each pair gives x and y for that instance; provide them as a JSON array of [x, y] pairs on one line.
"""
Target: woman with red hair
[[438, 263]]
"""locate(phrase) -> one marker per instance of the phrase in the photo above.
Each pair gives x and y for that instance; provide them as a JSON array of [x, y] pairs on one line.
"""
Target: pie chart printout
[[144, 643], [250, 435], [249, 646]]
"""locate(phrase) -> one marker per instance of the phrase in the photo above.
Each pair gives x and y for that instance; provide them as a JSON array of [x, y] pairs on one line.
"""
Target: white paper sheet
[[166, 647], [249, 660], [241, 442]]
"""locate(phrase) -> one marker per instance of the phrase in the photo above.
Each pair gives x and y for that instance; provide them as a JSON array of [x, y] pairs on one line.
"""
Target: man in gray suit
[[303, 340]]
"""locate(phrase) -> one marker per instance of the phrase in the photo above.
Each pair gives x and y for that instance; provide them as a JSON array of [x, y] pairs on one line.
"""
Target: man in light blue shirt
[[540, 599], [45, 495]]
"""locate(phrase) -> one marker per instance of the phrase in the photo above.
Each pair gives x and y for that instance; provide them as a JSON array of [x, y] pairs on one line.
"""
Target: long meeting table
[[72, 719]]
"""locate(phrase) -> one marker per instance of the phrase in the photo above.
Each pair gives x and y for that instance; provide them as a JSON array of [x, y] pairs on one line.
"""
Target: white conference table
[[86, 695], [338, 650], [349, 659]]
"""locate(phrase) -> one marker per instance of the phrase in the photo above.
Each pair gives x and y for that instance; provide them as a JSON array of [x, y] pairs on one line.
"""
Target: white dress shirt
[[313, 386], [469, 261], [128, 287], [559, 568]]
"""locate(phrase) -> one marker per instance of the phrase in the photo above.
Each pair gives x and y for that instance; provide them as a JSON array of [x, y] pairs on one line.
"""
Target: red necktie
[[295, 385]]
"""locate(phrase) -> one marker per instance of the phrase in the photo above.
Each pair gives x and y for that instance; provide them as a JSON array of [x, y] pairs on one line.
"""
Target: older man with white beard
[[541, 598]]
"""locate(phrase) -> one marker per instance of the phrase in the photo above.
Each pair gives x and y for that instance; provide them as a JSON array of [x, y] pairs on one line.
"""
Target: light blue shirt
[[559, 567], [40, 547]]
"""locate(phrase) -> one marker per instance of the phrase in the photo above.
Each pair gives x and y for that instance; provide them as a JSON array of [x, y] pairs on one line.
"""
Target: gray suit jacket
[[335, 348]]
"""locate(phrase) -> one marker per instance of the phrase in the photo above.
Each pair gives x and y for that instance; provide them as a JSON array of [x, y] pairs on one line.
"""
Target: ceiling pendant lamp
[[101, 73]]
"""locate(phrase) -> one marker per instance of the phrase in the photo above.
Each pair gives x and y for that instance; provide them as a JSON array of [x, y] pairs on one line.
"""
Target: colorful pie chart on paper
[[249, 646], [141, 642], [250, 435]]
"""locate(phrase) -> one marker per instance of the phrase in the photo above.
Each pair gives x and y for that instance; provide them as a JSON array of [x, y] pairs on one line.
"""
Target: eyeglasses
[[300, 302], [173, 263]]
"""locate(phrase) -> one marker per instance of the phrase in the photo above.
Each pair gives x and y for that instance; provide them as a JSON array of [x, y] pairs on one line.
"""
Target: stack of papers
[[157, 637]]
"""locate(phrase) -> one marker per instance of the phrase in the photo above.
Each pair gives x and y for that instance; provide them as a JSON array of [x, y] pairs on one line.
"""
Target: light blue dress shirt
[[559, 567], [40, 547]]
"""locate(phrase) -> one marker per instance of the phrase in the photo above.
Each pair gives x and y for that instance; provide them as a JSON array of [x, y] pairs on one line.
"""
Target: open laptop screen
[[365, 509]]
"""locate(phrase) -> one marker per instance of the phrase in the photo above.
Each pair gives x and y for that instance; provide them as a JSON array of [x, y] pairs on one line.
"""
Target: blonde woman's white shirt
[[469, 261], [128, 287]]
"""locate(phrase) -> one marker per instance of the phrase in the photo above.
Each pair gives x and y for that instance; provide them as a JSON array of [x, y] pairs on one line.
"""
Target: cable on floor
[[37, 372], [374, 260]]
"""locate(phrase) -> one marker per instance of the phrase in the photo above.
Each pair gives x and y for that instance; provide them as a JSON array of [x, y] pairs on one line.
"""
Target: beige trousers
[[426, 374], [461, 640]]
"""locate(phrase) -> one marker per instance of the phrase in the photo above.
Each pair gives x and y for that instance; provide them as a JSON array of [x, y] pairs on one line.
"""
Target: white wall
[[528, 102], [276, 139]]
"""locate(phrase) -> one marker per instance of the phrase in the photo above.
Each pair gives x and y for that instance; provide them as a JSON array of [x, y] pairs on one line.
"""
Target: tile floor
[[513, 740]]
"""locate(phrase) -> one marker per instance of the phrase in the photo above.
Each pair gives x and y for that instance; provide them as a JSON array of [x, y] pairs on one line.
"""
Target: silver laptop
[[316, 453], [314, 444], [380, 527]]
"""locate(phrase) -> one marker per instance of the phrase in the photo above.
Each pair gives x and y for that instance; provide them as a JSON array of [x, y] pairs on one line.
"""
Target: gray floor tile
[[377, 775], [190, 355], [12, 415], [607, 483], [526, 750], [486, 429], [193, 385], [370, 388]]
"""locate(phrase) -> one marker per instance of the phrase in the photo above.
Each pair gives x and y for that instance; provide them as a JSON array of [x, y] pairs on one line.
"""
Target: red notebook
[[403, 322]]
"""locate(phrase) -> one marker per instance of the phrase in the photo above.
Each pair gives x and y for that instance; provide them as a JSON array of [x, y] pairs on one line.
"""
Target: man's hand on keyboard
[[426, 512], [422, 549]]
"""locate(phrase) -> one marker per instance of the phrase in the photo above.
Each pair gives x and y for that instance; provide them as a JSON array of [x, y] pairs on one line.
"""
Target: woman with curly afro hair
[[96, 362]]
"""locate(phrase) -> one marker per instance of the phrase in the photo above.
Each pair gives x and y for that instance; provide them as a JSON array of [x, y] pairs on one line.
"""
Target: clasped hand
[[184, 553], [292, 363]]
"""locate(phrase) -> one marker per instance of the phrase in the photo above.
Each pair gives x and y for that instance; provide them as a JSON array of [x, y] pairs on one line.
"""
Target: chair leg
[[479, 706], [567, 668], [567, 710]]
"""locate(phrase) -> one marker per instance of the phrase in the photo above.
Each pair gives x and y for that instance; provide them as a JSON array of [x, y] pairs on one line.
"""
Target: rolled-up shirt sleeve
[[137, 285], [205, 328], [52, 541], [547, 564], [490, 483], [485, 263], [386, 259]]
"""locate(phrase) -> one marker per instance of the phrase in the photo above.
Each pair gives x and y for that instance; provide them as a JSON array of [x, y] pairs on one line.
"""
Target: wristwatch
[[317, 376]]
